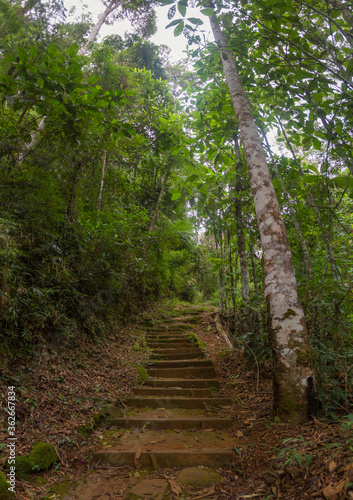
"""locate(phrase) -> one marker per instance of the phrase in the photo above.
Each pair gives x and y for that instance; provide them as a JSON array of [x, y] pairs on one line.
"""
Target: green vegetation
[[41, 457], [4, 488], [124, 178]]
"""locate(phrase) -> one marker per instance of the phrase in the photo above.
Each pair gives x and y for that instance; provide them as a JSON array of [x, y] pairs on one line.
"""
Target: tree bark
[[232, 276], [100, 196], [244, 274], [293, 372], [159, 200], [344, 9], [114, 4]]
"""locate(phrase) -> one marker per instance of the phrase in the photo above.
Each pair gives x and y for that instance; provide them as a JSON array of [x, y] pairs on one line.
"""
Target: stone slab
[[147, 489]]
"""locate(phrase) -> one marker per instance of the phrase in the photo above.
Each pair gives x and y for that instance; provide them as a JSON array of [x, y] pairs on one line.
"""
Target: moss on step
[[60, 489], [98, 418]]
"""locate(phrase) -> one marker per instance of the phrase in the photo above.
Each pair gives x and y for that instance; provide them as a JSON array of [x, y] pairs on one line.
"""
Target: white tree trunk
[[114, 4], [100, 196], [293, 372]]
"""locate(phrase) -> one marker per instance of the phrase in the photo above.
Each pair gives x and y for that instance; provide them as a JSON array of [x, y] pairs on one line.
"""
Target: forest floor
[[63, 395]]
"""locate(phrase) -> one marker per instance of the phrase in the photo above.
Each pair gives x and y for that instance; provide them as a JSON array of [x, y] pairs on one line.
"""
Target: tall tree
[[293, 370]]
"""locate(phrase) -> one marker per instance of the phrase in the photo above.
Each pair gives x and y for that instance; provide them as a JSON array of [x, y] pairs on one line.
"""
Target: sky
[[163, 36]]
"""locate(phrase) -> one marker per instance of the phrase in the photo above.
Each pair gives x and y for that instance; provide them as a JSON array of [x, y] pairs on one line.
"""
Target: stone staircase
[[172, 419]]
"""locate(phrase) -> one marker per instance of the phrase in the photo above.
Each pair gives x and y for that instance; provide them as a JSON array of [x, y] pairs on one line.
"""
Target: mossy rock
[[198, 477], [60, 489], [41, 457], [5, 494]]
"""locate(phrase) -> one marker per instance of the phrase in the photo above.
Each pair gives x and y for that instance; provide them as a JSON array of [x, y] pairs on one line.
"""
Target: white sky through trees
[[162, 37]]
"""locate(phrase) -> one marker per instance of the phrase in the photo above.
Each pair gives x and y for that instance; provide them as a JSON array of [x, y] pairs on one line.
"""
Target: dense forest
[[225, 178]]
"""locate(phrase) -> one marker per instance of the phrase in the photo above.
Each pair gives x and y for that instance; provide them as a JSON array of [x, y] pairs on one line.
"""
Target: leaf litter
[[63, 390]]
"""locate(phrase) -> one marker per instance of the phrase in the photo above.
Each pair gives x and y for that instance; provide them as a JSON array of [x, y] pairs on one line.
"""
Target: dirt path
[[149, 438]]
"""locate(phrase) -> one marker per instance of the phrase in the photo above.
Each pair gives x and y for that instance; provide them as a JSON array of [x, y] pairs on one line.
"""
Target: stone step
[[171, 328], [172, 391], [182, 383], [168, 340], [166, 458], [180, 363], [185, 344], [177, 402], [177, 356], [176, 350], [160, 423], [202, 372], [160, 336]]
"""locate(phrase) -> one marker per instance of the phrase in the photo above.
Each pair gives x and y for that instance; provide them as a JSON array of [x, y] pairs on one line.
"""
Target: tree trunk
[[302, 242], [293, 372], [232, 276], [344, 9], [256, 288], [100, 196], [159, 200], [114, 4], [244, 274]]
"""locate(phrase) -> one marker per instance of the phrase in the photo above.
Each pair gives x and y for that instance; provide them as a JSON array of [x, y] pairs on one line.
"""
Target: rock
[[5, 494], [41, 457], [148, 488], [198, 477]]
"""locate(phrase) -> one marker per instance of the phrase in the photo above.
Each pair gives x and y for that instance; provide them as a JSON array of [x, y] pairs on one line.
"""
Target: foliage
[[83, 166]]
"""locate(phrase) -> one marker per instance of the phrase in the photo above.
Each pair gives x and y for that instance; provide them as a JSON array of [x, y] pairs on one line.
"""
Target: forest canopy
[[126, 178]]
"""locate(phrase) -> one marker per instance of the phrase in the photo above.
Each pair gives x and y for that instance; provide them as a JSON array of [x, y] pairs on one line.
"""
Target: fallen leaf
[[239, 434], [209, 491], [138, 453], [174, 486], [332, 490], [347, 467], [332, 466]]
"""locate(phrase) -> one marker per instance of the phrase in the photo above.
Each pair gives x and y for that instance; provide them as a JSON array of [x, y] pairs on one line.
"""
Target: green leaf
[[192, 177], [324, 166], [73, 49], [316, 143], [195, 20], [176, 195], [165, 2], [33, 52], [171, 12], [174, 23], [179, 29], [101, 103], [309, 179], [93, 79], [341, 181], [52, 49], [182, 8], [22, 55], [207, 12]]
